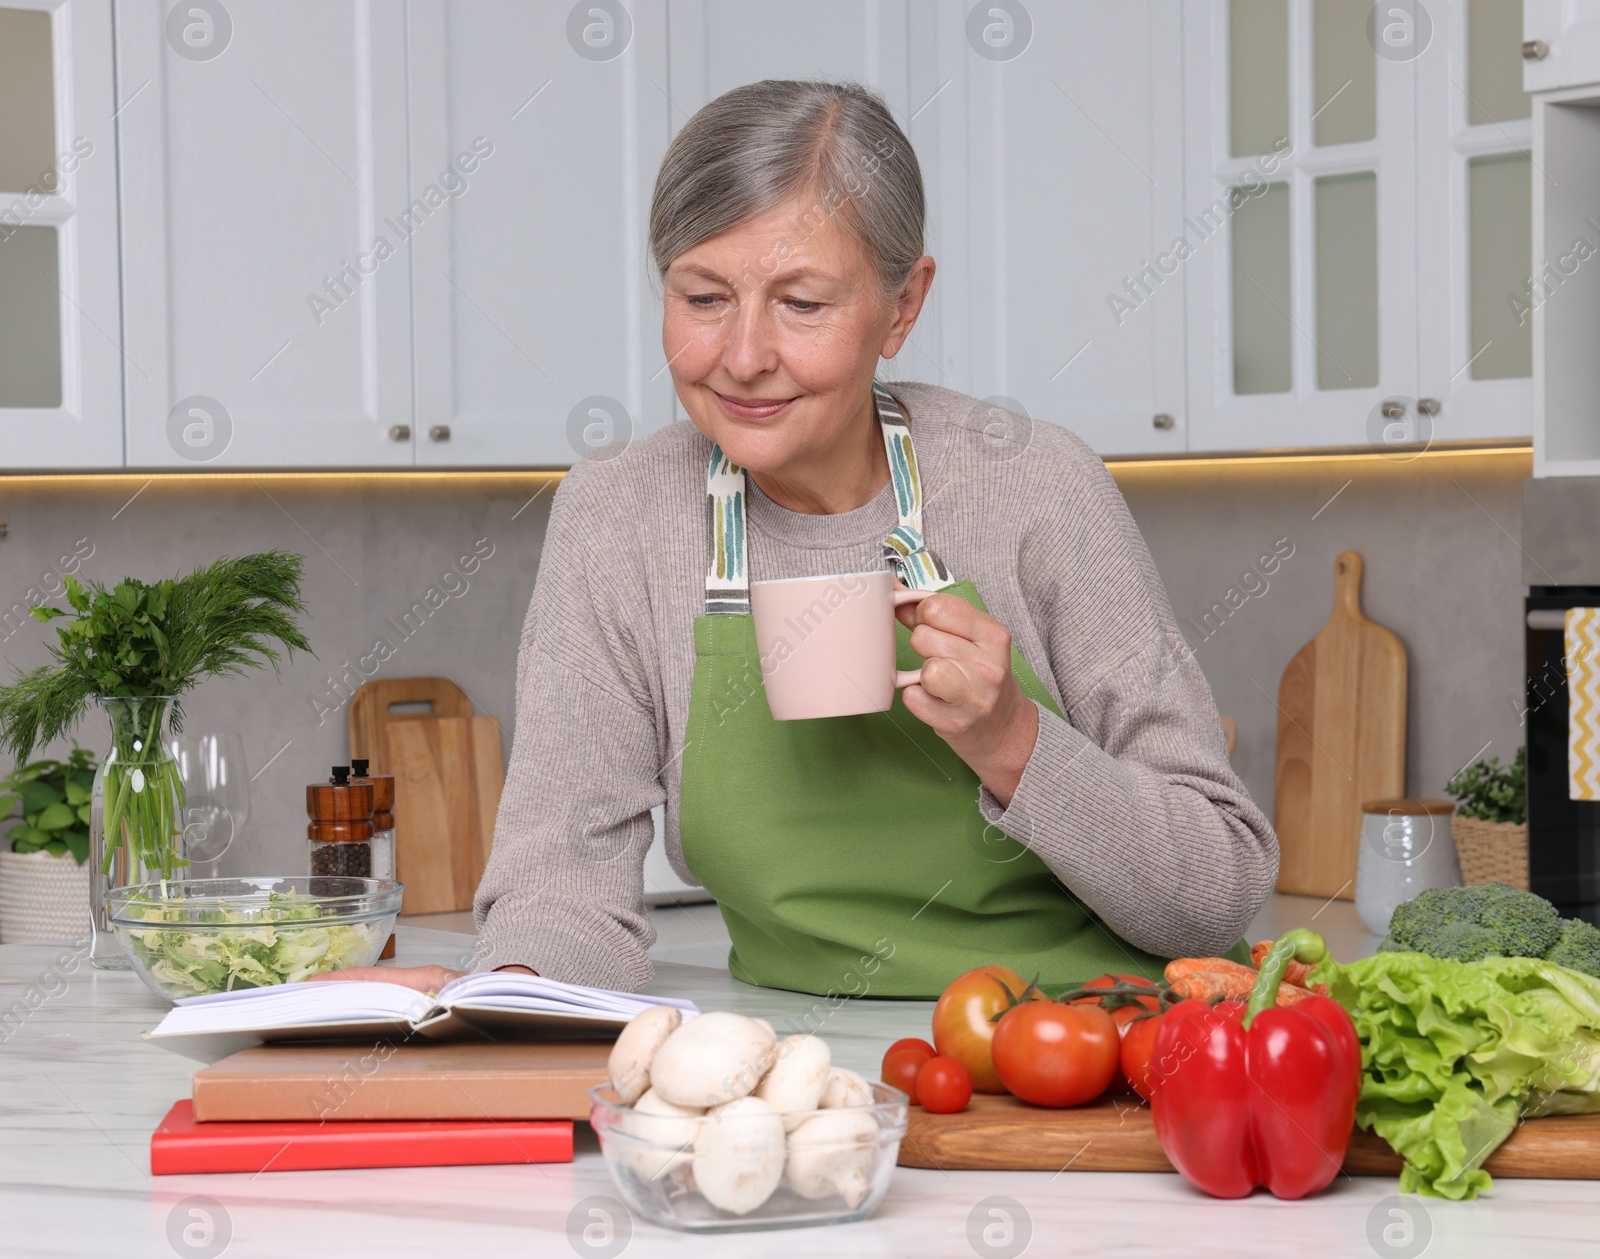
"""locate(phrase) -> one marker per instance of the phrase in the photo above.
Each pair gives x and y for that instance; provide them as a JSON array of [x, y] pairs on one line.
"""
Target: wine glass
[[216, 784]]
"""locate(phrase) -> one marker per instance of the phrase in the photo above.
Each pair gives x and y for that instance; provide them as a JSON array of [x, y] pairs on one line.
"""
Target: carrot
[[1216, 978], [1182, 966], [1298, 973], [1204, 985]]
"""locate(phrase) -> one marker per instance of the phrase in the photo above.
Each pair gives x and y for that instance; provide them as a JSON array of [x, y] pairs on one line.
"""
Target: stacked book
[[494, 1068]]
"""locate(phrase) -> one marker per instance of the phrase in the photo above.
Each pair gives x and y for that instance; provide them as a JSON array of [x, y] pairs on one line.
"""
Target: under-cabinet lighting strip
[[1399, 457]]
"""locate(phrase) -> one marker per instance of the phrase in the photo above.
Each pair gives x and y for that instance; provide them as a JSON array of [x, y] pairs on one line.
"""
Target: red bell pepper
[[1249, 1094]]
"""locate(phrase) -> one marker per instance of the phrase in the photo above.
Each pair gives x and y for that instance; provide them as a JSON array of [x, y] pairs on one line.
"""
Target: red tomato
[[910, 1042], [1138, 1039], [944, 1086], [1124, 1015], [902, 1062], [1056, 1055], [961, 1026]]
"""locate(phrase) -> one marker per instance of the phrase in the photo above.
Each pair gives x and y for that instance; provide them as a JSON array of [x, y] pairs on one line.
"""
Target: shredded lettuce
[[258, 944], [1455, 1054]]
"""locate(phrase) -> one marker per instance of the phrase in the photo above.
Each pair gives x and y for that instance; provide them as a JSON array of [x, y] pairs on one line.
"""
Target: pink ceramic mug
[[827, 643]]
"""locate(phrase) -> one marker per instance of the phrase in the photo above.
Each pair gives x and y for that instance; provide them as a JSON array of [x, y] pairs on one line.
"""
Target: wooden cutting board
[[378, 703], [448, 770], [1117, 1134], [448, 774], [1341, 741], [415, 1080]]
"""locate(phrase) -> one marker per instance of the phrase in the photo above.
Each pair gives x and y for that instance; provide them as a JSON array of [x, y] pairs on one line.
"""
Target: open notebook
[[497, 1005]]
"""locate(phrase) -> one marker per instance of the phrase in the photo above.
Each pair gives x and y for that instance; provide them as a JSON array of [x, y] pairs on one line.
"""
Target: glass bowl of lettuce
[[190, 937]]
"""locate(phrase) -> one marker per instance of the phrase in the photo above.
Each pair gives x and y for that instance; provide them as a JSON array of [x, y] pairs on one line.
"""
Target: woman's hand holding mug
[[968, 694]]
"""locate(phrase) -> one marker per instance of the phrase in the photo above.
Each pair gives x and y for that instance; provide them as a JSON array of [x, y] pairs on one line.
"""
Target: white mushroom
[[832, 1152], [793, 1084], [670, 1130], [844, 1088], [712, 1059], [636, 1046], [739, 1154]]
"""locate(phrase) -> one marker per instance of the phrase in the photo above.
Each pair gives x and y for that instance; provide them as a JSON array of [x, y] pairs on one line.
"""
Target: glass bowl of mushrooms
[[712, 1123]]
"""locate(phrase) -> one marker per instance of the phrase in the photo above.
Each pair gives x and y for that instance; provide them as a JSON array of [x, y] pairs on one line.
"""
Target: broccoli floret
[[1460, 941], [1528, 925], [1579, 947], [1506, 921]]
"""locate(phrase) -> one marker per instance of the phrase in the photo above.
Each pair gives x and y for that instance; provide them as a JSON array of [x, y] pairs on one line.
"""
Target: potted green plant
[[1491, 820], [44, 872], [137, 649]]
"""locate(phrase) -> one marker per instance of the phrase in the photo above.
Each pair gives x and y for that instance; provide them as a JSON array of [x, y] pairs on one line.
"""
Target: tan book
[[498, 1080]]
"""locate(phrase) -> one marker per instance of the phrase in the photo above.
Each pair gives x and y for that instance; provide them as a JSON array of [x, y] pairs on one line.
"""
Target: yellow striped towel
[[1583, 703]]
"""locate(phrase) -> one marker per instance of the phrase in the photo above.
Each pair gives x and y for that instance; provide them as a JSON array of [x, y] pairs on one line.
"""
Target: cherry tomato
[[1124, 1015], [1056, 1055], [944, 1086], [961, 1021], [902, 1062], [1138, 1039]]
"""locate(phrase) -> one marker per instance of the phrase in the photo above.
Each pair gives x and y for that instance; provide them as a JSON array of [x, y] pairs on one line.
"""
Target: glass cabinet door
[[60, 350]]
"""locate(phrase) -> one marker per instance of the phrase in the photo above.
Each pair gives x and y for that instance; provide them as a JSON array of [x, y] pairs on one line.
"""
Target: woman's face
[[773, 331]]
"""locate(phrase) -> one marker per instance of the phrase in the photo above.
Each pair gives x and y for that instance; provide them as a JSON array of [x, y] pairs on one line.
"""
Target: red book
[[181, 1145]]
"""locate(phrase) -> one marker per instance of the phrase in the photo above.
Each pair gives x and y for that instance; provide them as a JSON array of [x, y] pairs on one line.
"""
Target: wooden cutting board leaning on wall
[[448, 773], [1341, 741]]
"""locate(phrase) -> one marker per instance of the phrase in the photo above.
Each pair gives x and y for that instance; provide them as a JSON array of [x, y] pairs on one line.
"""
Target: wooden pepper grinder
[[382, 827], [340, 833]]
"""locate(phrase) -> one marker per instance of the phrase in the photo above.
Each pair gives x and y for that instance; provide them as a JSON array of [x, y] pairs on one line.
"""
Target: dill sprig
[[156, 640]]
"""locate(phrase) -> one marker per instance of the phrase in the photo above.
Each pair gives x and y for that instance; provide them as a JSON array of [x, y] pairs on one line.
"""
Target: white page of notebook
[[312, 1004], [512, 991]]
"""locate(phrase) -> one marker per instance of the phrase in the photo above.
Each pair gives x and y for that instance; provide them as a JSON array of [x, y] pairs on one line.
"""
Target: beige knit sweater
[[1130, 800]]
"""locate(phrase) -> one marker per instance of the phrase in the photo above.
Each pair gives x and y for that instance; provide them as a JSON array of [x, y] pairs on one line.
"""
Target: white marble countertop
[[80, 1094]]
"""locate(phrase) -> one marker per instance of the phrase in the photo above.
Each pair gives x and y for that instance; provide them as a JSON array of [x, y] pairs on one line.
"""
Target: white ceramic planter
[[43, 898]]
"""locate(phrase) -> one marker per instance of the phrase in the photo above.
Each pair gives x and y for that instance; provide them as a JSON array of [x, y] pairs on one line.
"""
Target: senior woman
[[1053, 796]]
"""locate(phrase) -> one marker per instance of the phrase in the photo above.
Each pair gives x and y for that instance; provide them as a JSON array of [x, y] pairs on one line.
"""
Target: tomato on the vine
[[944, 1086], [1138, 1040], [901, 1063], [1052, 1054], [961, 1021], [1125, 1016]]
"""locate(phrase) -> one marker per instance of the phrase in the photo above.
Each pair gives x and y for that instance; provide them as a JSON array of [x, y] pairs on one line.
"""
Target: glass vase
[[135, 827]]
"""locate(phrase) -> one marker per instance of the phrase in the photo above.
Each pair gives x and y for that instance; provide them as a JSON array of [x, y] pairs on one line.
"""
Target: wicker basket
[[1492, 852], [43, 898]]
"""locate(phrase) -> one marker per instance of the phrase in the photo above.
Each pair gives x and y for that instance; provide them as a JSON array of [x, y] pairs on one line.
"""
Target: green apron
[[848, 854]]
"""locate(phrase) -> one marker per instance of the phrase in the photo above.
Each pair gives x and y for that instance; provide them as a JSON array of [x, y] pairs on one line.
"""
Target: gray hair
[[757, 146]]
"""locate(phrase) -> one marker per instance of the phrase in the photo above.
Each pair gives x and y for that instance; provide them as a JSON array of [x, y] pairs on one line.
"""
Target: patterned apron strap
[[728, 577], [905, 548], [728, 573]]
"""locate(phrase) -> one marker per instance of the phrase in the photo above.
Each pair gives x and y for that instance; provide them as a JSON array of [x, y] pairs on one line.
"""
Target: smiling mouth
[[752, 408]]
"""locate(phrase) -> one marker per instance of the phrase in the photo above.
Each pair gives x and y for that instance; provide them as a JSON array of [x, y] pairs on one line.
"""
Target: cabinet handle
[[1535, 50], [400, 433], [1429, 406], [1163, 421], [439, 432], [1394, 410]]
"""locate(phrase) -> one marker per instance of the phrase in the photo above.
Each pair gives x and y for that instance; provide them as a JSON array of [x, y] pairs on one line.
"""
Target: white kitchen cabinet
[[60, 353], [1065, 163], [1373, 306], [265, 201], [1302, 297], [1474, 236], [1565, 35], [538, 336]]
